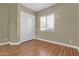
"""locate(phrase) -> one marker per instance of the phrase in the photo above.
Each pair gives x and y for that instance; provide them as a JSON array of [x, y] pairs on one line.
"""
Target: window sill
[[47, 30]]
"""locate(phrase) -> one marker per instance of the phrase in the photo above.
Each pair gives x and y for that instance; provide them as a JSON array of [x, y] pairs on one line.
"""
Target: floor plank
[[37, 48]]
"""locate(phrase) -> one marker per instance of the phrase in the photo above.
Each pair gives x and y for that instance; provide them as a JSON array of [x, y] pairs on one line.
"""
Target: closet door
[[27, 29]]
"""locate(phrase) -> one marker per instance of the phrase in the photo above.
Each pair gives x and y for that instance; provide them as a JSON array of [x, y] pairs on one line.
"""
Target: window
[[47, 23], [43, 23]]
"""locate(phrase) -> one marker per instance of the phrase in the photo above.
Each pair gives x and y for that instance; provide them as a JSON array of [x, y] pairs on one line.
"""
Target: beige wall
[[13, 10], [10, 21], [78, 25], [4, 23], [15, 21], [66, 19], [66, 23]]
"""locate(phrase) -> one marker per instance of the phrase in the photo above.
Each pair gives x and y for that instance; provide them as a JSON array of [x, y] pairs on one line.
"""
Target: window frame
[[48, 30]]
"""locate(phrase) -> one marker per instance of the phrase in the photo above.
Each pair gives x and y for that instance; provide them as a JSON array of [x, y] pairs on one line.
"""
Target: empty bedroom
[[39, 29]]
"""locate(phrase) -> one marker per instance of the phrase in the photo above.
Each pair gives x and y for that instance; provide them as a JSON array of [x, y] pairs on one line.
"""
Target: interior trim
[[4, 43], [72, 46], [13, 43]]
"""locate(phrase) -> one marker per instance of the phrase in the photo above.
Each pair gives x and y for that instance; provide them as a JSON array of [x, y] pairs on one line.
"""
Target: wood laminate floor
[[37, 48]]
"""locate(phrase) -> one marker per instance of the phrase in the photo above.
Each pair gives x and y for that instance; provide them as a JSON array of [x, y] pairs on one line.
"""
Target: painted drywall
[[66, 22], [15, 21], [4, 23], [13, 35], [66, 25], [10, 21], [78, 25]]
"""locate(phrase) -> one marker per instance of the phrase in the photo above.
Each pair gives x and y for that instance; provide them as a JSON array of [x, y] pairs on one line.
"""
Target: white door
[[27, 29]]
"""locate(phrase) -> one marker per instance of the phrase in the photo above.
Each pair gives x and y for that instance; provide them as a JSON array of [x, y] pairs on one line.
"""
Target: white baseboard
[[10, 43], [72, 46], [4, 43], [15, 43], [18, 42]]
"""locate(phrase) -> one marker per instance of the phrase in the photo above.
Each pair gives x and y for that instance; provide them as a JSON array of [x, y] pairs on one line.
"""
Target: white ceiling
[[37, 6]]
